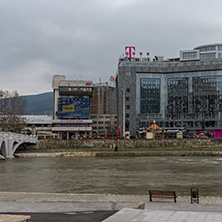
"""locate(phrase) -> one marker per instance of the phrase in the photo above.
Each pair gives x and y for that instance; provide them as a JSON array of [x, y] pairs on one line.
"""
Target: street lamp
[[124, 111]]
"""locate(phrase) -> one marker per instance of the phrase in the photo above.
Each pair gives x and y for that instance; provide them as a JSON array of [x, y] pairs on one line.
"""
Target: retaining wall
[[133, 143]]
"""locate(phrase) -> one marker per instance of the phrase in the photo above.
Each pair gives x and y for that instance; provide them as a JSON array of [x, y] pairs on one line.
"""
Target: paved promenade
[[128, 215], [209, 209]]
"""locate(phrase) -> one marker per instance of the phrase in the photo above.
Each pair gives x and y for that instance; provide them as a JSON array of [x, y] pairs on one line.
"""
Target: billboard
[[74, 108]]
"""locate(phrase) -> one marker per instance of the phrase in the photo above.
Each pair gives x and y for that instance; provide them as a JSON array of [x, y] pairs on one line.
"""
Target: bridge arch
[[3, 148], [9, 142]]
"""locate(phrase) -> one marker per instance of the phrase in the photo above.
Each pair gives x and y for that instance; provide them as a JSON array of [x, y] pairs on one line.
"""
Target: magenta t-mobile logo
[[129, 51]]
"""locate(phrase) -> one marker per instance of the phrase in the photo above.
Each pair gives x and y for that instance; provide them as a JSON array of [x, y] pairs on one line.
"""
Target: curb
[[137, 205]]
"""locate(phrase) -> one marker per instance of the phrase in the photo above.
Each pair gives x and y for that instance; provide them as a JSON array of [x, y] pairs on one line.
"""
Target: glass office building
[[184, 92]]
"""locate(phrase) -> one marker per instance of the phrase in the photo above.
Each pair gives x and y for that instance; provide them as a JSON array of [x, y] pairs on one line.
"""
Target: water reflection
[[122, 175]]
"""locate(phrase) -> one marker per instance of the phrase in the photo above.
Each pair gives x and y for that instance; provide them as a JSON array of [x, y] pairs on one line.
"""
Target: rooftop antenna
[[100, 80]]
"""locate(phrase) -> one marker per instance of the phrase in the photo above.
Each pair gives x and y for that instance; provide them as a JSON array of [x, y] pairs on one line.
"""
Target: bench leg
[[175, 199], [150, 199]]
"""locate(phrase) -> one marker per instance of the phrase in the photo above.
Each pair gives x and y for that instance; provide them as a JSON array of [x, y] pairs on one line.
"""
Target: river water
[[114, 175]]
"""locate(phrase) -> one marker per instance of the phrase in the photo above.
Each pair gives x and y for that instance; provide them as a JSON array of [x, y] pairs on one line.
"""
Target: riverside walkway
[[209, 209], [9, 142]]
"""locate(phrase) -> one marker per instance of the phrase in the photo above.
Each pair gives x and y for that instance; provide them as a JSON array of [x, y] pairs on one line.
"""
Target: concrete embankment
[[133, 143], [136, 147], [118, 154]]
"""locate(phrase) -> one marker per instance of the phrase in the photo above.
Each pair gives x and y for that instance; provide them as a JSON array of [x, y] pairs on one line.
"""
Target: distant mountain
[[39, 104]]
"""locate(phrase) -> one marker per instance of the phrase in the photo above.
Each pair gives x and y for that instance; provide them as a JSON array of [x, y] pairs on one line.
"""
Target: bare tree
[[12, 106]]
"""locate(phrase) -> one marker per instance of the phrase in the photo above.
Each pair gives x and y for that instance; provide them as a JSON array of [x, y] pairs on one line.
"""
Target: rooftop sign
[[130, 51]]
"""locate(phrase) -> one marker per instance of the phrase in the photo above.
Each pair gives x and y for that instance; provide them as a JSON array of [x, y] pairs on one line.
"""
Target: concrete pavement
[[166, 211], [209, 209], [132, 215]]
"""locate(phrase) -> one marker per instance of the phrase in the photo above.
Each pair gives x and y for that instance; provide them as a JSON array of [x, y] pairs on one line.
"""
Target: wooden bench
[[162, 194]]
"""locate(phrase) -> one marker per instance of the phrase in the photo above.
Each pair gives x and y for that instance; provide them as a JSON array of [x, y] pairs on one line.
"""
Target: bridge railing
[[19, 137]]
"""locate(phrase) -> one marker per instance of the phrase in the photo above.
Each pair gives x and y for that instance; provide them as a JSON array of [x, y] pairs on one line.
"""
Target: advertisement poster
[[74, 108]]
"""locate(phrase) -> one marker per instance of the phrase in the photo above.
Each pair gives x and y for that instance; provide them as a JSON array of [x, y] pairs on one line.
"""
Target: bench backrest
[[162, 192]]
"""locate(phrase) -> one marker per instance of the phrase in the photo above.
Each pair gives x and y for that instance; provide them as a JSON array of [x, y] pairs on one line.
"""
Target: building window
[[128, 90], [127, 81], [128, 73], [150, 95], [128, 64], [100, 122], [128, 107], [189, 55], [127, 115], [127, 98], [137, 64], [208, 56], [209, 48], [177, 95], [202, 63]]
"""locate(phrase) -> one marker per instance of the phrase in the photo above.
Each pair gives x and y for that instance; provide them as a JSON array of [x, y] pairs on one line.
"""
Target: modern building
[[183, 92], [104, 109], [39, 125], [104, 98], [104, 125], [72, 108]]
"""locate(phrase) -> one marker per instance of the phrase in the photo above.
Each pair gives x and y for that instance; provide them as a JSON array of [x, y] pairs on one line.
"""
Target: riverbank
[[128, 148], [95, 198], [132, 153], [132, 144]]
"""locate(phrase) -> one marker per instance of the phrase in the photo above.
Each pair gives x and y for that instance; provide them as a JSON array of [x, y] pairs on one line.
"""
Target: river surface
[[114, 175]]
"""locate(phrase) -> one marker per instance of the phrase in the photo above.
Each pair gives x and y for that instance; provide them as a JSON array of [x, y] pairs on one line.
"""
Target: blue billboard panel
[[74, 108]]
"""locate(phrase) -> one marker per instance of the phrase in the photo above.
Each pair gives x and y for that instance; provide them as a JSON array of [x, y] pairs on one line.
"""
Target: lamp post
[[124, 112]]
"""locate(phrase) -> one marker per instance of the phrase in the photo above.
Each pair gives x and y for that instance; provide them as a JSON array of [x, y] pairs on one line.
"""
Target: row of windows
[[209, 48], [72, 125], [101, 122], [100, 117], [100, 127], [73, 97], [75, 89], [208, 86], [208, 56], [189, 55], [160, 65]]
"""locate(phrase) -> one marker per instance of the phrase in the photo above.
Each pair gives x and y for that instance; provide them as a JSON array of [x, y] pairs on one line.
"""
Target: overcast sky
[[83, 39]]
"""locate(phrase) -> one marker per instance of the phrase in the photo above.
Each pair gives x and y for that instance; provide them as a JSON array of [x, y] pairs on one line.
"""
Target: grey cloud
[[83, 39]]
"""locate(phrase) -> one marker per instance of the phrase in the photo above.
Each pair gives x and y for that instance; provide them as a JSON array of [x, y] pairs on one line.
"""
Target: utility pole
[[124, 112]]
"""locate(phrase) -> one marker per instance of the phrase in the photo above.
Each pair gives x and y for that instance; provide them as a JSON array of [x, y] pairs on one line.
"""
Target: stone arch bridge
[[9, 142]]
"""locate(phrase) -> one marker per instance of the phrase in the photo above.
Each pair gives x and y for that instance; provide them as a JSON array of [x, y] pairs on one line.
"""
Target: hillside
[[39, 104]]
